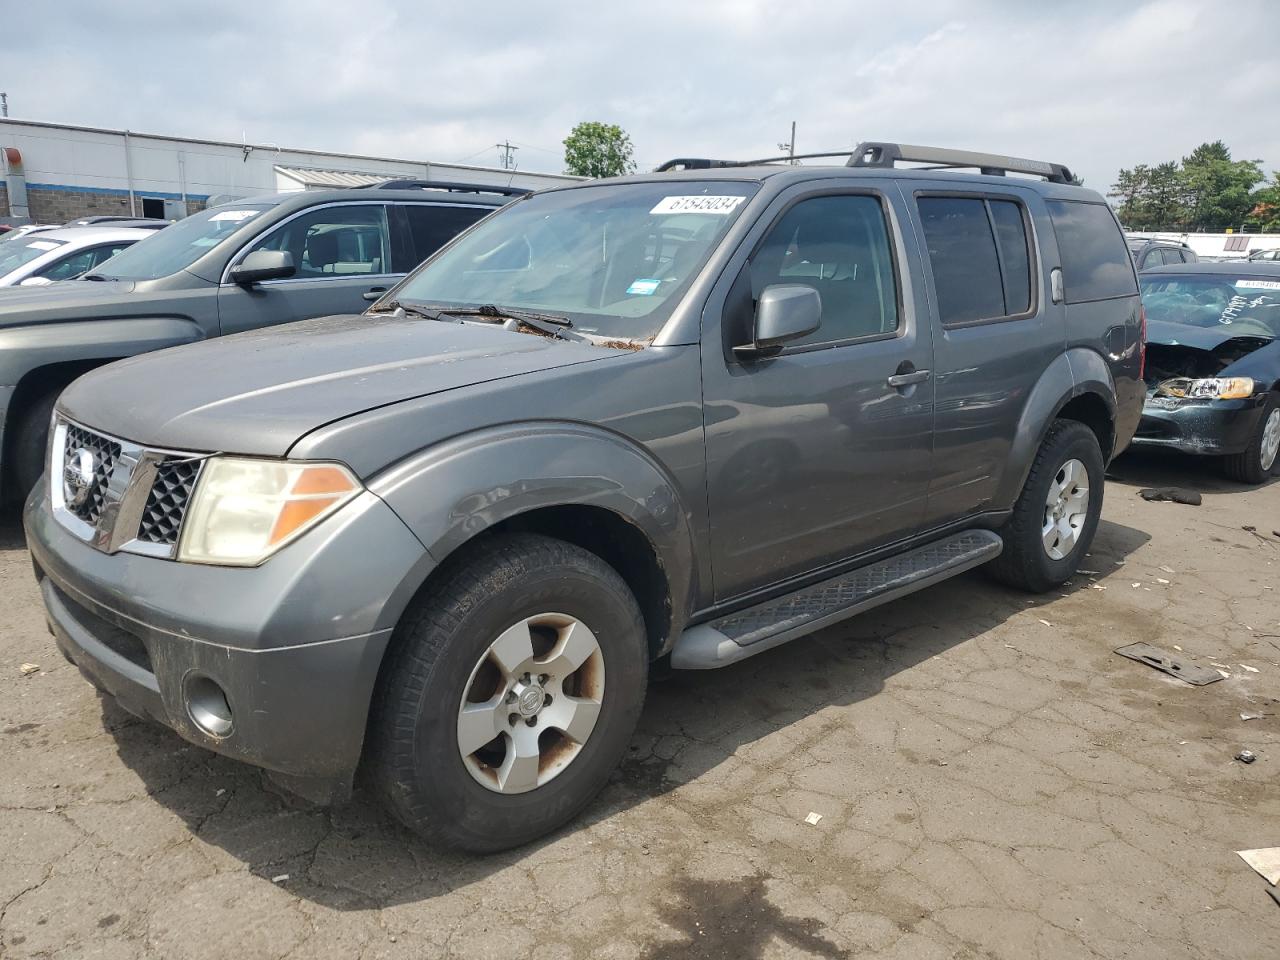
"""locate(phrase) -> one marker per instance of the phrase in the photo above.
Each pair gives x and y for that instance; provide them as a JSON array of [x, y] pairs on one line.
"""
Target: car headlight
[[1211, 388], [243, 510]]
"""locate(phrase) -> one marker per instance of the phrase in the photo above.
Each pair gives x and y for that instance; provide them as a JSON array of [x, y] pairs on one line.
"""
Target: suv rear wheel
[[1056, 515], [1259, 460], [512, 690]]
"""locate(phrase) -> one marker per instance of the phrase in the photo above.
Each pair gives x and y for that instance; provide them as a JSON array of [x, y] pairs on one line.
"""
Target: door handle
[[900, 380], [374, 293]]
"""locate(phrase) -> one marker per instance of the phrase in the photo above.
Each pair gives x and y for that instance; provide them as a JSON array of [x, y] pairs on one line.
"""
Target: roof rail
[[886, 155], [703, 163], [450, 186]]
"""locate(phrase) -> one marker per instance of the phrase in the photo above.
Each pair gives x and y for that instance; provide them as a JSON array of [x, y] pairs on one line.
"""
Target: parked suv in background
[[1148, 254], [690, 414], [252, 263]]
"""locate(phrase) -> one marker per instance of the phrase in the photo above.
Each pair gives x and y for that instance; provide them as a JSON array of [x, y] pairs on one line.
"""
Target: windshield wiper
[[400, 307], [548, 323], [96, 276]]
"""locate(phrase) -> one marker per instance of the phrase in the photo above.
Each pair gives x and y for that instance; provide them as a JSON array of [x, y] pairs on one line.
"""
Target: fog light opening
[[207, 706]]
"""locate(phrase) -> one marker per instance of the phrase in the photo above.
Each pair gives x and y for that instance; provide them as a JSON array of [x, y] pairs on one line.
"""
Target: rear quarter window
[[1095, 259]]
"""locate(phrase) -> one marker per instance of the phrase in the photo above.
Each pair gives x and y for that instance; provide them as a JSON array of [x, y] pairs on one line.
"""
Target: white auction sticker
[[236, 215], [1258, 284], [42, 245], [698, 204]]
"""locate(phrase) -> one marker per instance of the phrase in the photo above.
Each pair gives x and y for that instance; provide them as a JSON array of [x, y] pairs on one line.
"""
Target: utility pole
[[505, 151], [790, 147], [4, 105]]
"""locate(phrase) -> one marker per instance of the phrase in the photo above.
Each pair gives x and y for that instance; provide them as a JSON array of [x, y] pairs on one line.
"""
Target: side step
[[743, 634]]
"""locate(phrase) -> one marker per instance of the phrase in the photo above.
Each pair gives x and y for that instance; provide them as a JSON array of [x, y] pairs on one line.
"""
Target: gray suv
[[248, 264], [689, 415]]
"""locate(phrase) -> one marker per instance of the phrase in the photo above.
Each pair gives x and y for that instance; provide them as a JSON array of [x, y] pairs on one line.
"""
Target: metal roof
[[329, 179]]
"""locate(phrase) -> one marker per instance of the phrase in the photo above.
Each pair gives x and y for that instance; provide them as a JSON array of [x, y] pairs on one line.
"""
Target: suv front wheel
[[1056, 515], [512, 689]]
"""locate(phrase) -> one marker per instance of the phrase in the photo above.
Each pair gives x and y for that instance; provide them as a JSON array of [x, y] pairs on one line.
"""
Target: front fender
[[449, 493], [23, 349], [1071, 374]]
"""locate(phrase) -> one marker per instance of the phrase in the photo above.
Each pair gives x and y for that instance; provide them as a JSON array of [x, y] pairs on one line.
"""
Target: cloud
[[1095, 85]]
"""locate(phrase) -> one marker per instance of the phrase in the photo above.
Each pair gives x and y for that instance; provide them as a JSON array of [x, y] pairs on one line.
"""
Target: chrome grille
[[104, 452], [167, 501]]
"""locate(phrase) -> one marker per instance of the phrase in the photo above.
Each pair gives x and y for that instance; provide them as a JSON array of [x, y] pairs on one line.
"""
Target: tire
[[443, 650], [1026, 561], [1252, 466], [31, 438]]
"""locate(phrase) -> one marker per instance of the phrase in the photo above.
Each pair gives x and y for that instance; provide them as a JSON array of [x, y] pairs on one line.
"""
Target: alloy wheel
[[1066, 508]]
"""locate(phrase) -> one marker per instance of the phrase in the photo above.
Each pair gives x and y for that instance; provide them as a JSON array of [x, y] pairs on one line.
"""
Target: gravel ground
[[992, 782]]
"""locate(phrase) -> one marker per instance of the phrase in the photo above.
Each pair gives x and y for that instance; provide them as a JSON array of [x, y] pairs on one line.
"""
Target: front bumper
[[1209, 427], [294, 644]]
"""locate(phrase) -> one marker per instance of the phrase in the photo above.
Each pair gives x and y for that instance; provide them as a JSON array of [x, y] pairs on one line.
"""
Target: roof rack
[[886, 155], [704, 163], [450, 186]]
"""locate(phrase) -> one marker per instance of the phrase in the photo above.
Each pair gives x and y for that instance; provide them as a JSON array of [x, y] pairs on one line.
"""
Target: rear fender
[[1071, 374]]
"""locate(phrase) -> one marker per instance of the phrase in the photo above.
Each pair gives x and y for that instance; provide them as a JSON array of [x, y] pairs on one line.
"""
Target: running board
[[748, 632]]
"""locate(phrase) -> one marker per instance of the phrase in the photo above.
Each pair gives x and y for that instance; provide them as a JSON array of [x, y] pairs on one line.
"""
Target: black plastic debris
[[1172, 494], [1246, 756], [1173, 665]]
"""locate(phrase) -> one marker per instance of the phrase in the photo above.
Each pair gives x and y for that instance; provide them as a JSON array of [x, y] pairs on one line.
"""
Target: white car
[[61, 254]]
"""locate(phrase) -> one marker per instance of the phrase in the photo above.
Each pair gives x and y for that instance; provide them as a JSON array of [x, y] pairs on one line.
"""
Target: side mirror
[[263, 265], [785, 312], [35, 282]]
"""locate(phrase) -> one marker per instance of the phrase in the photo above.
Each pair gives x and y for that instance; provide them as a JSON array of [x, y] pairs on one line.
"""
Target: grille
[[105, 453], [167, 501]]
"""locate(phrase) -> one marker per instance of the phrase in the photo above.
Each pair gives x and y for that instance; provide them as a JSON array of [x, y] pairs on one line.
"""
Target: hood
[[67, 300], [259, 392], [1182, 350]]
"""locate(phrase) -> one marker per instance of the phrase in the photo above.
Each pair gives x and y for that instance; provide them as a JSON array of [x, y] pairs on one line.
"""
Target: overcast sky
[[1095, 85]]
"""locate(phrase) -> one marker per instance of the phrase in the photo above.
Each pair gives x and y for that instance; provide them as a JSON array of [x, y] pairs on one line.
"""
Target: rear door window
[[980, 255], [432, 226], [1095, 260]]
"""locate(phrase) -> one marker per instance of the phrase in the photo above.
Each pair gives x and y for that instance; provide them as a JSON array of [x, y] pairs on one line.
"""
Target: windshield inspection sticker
[[643, 288], [235, 215], [1258, 284], [699, 204]]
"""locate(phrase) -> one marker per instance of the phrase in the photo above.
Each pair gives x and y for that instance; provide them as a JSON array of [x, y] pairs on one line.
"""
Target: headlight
[[243, 510], [1213, 388]]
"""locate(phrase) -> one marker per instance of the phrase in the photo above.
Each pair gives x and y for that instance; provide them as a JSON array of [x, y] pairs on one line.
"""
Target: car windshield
[[177, 247], [23, 250], [1247, 306], [612, 258]]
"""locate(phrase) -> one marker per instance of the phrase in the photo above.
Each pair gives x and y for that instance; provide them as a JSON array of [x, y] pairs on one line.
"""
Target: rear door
[[995, 332], [813, 456], [342, 251]]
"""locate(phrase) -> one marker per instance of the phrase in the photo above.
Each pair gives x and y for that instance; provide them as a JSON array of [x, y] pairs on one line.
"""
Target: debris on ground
[[1265, 860], [29, 668], [1154, 656], [1252, 716], [1249, 668], [1167, 569], [1172, 495], [1247, 528], [280, 879], [1246, 756], [1046, 623], [813, 818]]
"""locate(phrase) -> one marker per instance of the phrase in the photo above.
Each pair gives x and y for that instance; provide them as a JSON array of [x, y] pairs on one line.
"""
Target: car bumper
[[294, 645], [1209, 427]]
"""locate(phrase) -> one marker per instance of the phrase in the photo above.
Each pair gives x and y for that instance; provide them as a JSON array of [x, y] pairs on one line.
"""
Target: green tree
[[595, 149], [1130, 189], [1219, 189], [1165, 202], [1266, 205]]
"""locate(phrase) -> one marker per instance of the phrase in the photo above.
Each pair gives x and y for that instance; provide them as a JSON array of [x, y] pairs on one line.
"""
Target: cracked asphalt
[[992, 782]]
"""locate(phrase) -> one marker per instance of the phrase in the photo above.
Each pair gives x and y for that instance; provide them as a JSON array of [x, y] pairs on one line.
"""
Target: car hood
[[1201, 338], [259, 392], [1182, 350], [25, 304]]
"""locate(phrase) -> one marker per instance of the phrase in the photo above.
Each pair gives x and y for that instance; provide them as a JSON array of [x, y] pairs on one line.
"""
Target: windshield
[[23, 251], [1247, 306], [612, 258], [177, 247]]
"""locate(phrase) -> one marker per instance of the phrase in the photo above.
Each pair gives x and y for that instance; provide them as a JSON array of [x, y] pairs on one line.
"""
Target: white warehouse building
[[57, 172]]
